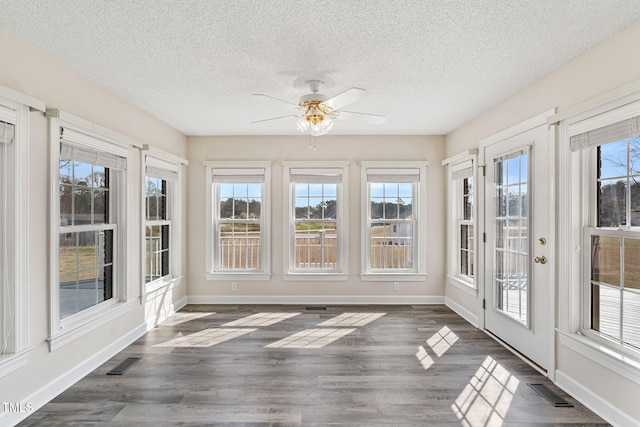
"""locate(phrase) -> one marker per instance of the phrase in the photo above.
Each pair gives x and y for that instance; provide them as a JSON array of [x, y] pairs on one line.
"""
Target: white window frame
[[95, 137], [577, 214], [393, 169], [259, 169], [168, 167], [14, 109], [316, 171], [455, 165]]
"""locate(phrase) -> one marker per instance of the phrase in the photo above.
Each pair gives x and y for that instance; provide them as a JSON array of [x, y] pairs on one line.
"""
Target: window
[[13, 235], [161, 218], [315, 220], [461, 216], [608, 148], [238, 232], [394, 223], [90, 236]]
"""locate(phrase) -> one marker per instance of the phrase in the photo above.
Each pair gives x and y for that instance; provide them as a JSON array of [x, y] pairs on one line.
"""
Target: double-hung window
[[461, 214], [315, 220], [237, 228], [161, 219], [14, 263], [610, 147], [89, 270], [394, 223]]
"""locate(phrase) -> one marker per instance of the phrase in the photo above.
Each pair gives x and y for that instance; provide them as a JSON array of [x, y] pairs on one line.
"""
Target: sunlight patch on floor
[[423, 357], [261, 319], [205, 338], [311, 338], [352, 319], [182, 317], [442, 341], [487, 397]]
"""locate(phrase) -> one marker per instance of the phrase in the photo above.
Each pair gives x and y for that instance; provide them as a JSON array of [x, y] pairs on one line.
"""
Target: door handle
[[540, 259]]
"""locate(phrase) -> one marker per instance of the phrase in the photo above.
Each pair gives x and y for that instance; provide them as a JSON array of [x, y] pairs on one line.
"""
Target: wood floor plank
[[402, 366]]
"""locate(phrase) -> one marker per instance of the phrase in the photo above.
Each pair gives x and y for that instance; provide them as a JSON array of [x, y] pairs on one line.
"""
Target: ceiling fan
[[316, 111]]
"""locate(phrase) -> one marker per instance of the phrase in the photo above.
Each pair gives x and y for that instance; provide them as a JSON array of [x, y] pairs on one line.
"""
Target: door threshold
[[530, 362]]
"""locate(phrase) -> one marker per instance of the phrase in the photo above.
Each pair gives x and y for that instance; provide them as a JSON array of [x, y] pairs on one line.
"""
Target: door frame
[[536, 121]]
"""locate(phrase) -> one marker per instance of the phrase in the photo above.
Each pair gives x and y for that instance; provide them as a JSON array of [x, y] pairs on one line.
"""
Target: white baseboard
[[462, 312], [63, 382], [596, 403], [317, 299]]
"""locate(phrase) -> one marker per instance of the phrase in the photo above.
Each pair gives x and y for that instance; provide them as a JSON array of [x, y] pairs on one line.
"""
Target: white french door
[[517, 222]]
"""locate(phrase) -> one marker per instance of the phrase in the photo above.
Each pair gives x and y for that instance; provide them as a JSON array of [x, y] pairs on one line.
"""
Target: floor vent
[[555, 400], [316, 308], [123, 366]]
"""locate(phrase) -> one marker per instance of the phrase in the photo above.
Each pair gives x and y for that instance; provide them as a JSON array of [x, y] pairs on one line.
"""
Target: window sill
[[12, 362], [238, 276], [160, 287], [604, 356], [463, 285], [97, 318], [393, 277], [315, 277]]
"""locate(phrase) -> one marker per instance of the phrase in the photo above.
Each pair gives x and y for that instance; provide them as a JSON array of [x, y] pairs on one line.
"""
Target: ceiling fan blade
[[347, 97], [277, 99], [374, 119], [276, 118]]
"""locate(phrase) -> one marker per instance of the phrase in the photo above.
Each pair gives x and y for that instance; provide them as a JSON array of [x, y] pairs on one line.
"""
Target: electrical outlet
[[396, 286], [234, 286]]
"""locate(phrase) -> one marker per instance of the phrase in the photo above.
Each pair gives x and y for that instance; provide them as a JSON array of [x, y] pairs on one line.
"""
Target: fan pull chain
[[313, 146]]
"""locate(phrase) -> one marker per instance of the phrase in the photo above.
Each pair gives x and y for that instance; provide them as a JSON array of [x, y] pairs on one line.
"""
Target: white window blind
[[393, 175], [7, 132], [161, 173], [88, 155], [237, 176], [622, 130], [462, 170], [315, 176], [85, 148]]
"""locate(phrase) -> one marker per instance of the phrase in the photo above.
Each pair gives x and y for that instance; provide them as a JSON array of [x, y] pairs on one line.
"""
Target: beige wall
[[352, 148], [603, 68], [33, 73]]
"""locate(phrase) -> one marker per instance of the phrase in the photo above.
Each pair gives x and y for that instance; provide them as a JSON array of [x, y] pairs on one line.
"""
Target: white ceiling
[[430, 66]]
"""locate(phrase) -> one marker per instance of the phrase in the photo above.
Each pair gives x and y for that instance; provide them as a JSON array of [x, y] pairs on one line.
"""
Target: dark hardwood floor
[[289, 366]]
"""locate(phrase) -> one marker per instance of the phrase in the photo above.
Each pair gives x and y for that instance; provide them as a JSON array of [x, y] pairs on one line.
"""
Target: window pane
[[85, 270], [315, 190], [634, 197], [377, 208], [391, 246], [239, 246], [66, 204], [390, 210], [315, 245], [82, 173], [156, 252], [226, 190], [605, 259], [605, 310], [613, 159], [405, 208], [632, 263], [240, 191], [99, 177], [631, 319], [82, 204], [405, 189], [315, 207], [101, 206], [391, 190], [612, 203]]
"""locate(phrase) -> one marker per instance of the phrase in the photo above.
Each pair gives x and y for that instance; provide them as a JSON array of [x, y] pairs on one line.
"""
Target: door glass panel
[[511, 266]]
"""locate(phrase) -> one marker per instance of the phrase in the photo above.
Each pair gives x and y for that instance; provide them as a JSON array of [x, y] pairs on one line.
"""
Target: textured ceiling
[[429, 65]]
